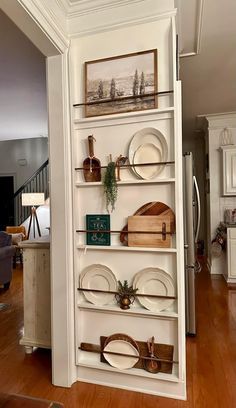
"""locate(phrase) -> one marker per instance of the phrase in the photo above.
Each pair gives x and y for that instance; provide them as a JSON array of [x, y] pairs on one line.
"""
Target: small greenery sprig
[[110, 186], [125, 289]]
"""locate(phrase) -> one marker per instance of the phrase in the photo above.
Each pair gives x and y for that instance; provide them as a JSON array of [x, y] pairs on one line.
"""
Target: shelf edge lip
[[125, 248], [127, 182], [132, 313], [103, 118], [159, 376]]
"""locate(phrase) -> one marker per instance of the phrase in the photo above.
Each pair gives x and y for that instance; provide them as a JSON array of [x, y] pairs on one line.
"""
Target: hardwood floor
[[211, 357]]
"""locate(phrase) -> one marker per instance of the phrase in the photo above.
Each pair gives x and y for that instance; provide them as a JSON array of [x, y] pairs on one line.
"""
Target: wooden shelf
[[125, 248], [84, 361], [121, 116], [133, 311], [126, 182]]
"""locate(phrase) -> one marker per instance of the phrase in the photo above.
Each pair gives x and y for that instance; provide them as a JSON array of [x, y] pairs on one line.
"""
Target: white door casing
[[34, 21]]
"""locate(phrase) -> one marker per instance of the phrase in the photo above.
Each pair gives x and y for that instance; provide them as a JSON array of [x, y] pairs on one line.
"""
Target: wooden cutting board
[[149, 223], [151, 208], [163, 351]]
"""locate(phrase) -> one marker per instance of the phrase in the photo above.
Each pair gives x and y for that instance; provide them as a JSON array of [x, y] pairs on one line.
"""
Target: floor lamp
[[33, 199]]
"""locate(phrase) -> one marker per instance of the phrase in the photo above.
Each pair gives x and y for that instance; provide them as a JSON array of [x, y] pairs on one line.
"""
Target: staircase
[[37, 183]]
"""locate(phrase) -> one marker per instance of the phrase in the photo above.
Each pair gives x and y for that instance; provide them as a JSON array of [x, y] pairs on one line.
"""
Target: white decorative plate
[[147, 136], [147, 153], [124, 347], [100, 277], [154, 281]]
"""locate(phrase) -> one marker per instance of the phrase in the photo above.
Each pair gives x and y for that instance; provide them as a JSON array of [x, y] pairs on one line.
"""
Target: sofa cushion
[[7, 252], [17, 238], [5, 239]]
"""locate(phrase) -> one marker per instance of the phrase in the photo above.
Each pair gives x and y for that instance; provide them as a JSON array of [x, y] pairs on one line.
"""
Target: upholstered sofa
[[7, 251]]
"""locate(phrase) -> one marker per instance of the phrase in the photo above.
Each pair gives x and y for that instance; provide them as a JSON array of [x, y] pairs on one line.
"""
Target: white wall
[[12, 152], [23, 99]]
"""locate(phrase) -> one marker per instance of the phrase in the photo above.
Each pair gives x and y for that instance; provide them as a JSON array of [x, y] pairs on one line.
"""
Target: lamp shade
[[31, 199]]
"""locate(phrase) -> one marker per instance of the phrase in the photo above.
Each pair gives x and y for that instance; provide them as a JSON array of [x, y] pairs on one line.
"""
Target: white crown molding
[[64, 6], [120, 24], [77, 8], [199, 26], [85, 17], [85, 7], [198, 30], [48, 22], [216, 120]]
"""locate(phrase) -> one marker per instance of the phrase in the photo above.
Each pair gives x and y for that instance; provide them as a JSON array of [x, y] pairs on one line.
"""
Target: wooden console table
[[37, 294]]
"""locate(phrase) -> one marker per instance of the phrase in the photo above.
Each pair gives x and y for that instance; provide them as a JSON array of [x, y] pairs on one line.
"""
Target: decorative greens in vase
[[125, 295]]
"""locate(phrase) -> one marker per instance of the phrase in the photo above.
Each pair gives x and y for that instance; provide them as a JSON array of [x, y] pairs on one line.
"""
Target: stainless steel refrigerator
[[192, 212]]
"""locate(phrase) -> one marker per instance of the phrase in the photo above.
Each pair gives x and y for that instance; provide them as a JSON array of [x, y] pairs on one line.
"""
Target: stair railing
[[37, 183]]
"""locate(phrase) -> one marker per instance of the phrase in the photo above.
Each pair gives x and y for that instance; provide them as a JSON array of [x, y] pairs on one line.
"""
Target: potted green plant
[[126, 294]]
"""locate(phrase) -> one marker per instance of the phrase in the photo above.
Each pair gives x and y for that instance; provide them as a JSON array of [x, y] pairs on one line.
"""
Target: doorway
[[6, 201], [54, 44]]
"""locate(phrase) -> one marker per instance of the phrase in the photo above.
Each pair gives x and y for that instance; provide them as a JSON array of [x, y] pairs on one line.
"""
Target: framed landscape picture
[[121, 84]]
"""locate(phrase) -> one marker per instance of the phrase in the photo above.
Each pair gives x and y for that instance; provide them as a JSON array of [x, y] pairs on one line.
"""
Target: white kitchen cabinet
[[37, 296], [231, 256], [229, 170], [216, 127]]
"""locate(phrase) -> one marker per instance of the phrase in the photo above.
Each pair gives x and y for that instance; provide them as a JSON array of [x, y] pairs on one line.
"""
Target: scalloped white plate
[[154, 281], [97, 276]]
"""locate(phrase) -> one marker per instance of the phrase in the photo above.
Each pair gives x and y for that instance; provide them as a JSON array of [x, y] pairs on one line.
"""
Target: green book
[[97, 223]]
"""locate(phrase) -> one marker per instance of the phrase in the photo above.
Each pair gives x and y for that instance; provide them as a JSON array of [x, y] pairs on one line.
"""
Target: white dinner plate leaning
[[98, 277], [149, 144], [147, 153], [123, 347], [154, 281]]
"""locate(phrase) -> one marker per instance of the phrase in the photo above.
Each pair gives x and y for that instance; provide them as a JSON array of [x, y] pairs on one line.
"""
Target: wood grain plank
[[211, 357]]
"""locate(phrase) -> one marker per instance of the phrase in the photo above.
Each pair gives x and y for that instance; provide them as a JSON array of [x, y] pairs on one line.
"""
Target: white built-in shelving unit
[[113, 134]]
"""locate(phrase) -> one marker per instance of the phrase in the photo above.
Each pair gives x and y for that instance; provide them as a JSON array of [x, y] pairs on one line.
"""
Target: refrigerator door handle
[[198, 208]]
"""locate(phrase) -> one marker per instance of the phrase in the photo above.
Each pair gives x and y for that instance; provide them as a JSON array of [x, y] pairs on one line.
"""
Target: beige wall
[[23, 99], [209, 81], [33, 152]]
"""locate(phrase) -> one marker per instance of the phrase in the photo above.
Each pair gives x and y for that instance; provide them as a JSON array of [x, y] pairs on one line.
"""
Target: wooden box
[[158, 224]]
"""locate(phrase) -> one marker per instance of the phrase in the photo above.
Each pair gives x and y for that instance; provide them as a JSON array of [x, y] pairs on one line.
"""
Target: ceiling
[[207, 44]]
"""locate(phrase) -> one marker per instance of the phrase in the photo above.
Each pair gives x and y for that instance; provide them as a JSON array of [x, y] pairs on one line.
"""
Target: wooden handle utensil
[[91, 165]]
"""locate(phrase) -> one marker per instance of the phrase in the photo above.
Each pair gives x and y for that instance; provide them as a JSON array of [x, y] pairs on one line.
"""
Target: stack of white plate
[[148, 145]]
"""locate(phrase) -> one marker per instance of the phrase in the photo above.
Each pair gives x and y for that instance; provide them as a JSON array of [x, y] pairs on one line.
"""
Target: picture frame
[[119, 84]]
